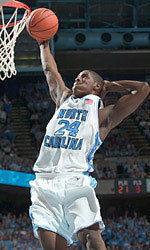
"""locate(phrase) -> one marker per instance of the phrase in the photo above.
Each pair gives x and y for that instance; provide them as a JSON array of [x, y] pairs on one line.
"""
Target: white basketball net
[[8, 36]]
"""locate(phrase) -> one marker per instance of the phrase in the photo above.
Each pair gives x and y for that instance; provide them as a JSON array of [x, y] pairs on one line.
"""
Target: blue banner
[[14, 178]]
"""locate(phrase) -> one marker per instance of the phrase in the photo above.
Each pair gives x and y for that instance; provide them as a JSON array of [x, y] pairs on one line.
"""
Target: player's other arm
[[112, 115], [57, 88]]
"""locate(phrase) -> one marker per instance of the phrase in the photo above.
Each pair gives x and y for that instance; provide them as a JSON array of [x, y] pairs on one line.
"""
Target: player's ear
[[96, 86]]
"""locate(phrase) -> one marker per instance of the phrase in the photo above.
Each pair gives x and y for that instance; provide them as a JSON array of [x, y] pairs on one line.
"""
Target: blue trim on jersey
[[97, 143], [93, 181], [91, 154], [86, 173], [35, 228]]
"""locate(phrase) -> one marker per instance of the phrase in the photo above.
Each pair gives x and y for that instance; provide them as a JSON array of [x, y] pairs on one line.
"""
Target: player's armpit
[[103, 115], [65, 95]]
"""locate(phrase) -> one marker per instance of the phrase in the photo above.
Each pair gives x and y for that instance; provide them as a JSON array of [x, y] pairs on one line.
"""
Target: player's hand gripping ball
[[42, 24]]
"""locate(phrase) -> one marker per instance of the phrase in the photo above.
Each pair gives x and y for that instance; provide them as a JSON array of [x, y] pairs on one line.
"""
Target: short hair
[[97, 78]]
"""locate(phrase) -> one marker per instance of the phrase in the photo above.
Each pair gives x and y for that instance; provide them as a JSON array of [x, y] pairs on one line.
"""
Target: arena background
[[111, 37]]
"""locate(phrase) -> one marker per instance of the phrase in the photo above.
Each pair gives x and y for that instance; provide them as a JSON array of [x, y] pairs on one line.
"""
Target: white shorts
[[64, 204]]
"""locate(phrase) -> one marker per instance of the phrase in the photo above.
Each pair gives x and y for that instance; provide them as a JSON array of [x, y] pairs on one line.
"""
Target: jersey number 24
[[72, 127]]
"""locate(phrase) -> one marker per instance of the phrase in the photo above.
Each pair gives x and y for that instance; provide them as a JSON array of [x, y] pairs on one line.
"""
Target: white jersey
[[72, 137]]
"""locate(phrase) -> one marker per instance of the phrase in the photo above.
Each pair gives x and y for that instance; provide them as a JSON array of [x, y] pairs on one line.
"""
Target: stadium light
[[128, 37], [80, 38], [106, 37]]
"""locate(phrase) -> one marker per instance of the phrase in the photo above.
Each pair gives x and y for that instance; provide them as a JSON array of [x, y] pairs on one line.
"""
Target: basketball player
[[64, 204]]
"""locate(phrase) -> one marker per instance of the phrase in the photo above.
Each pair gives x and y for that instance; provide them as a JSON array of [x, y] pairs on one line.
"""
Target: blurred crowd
[[16, 233], [7, 136], [122, 167], [122, 233], [41, 108], [15, 163], [117, 144], [9, 159], [127, 232], [142, 118]]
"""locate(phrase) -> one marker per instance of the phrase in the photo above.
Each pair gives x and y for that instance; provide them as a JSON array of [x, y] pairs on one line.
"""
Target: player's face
[[83, 84]]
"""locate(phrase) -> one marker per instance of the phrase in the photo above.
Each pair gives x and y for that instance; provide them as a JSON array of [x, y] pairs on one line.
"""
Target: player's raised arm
[[57, 88], [112, 115]]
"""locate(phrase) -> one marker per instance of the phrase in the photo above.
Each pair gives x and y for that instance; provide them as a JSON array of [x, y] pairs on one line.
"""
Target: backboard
[[3, 2]]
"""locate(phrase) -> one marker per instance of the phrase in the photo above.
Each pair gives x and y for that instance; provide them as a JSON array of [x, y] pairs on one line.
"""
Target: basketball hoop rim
[[16, 4]]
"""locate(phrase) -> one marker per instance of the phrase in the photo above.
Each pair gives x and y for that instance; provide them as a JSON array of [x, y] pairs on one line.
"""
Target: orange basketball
[[42, 24]]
